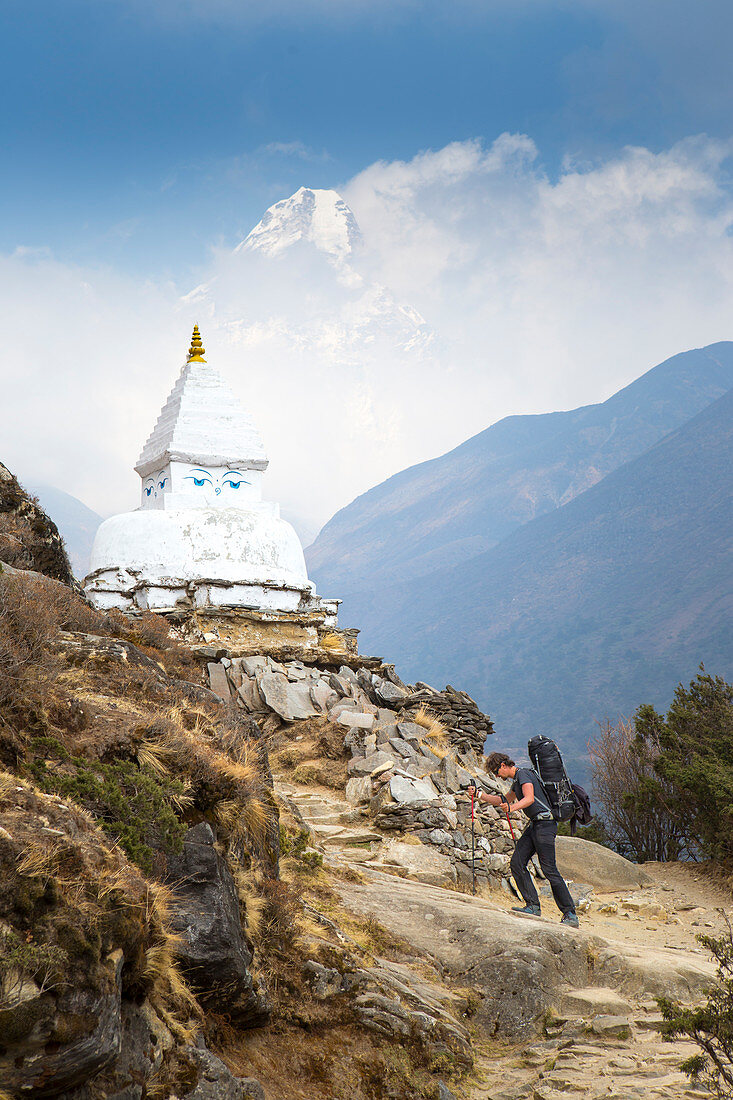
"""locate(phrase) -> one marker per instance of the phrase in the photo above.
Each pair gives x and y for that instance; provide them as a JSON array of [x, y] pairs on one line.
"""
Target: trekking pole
[[473, 843], [509, 823]]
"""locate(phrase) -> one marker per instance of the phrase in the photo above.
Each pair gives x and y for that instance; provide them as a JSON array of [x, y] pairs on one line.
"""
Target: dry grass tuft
[[39, 861], [223, 769], [435, 731], [153, 755], [255, 911]]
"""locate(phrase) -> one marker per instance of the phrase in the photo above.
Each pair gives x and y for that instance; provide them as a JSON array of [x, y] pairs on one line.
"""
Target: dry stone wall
[[406, 781]]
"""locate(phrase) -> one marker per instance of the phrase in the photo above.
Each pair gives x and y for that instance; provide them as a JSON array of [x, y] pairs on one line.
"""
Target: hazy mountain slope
[[448, 510], [584, 613], [77, 523]]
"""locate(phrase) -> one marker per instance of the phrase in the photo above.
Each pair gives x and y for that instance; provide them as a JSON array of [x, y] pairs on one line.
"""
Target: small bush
[[29, 619], [131, 803], [637, 820], [710, 1025], [21, 958]]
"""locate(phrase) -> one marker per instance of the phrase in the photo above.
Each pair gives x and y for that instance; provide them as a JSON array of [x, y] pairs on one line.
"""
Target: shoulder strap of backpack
[[546, 802]]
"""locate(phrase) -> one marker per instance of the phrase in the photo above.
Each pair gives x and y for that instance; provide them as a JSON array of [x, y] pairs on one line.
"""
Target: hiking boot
[[570, 920], [526, 910]]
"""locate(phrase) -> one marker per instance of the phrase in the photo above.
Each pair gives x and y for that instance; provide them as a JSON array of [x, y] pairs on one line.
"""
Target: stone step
[[327, 819], [594, 1001], [349, 837], [357, 855], [323, 832]]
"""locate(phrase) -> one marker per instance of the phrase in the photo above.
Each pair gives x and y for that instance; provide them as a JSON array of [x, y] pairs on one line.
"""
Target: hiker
[[528, 794]]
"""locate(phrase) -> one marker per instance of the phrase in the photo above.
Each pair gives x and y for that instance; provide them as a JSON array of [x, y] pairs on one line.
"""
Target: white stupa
[[202, 536]]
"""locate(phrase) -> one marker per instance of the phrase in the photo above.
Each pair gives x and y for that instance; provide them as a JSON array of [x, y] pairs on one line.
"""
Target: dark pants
[[539, 837]]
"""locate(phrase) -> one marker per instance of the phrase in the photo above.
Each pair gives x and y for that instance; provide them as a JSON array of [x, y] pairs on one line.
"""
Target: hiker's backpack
[[547, 762]]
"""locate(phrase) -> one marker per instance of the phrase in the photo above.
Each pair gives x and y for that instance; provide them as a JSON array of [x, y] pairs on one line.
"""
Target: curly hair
[[495, 759]]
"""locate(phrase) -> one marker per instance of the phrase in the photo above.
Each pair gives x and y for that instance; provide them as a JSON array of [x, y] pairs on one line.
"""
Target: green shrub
[[130, 802], [710, 1025], [21, 957], [694, 763]]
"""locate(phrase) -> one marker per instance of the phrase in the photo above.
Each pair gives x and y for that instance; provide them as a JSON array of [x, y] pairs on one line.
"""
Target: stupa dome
[[202, 536]]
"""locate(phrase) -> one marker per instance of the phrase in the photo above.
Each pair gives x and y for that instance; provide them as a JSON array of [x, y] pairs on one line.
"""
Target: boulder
[[407, 792], [388, 693], [322, 696], [340, 684], [360, 767], [411, 732], [249, 694], [355, 719], [584, 861], [145, 1040], [420, 862], [358, 791], [212, 948], [403, 748], [216, 1082], [218, 681], [419, 768], [291, 701], [252, 665]]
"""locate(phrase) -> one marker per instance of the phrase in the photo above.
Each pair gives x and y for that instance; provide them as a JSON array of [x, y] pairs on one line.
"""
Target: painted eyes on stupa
[[199, 478], [161, 484], [231, 480]]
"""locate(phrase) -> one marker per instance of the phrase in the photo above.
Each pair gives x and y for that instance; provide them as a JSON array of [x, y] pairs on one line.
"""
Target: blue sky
[[141, 133], [543, 188]]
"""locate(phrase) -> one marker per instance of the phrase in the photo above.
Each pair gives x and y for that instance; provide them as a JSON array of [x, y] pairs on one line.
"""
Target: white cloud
[[540, 293], [554, 292]]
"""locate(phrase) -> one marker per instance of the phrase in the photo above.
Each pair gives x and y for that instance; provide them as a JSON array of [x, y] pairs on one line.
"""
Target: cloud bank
[[484, 287]]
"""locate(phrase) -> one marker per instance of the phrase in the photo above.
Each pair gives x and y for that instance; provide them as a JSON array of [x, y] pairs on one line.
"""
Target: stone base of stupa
[[213, 632], [292, 635], [122, 589]]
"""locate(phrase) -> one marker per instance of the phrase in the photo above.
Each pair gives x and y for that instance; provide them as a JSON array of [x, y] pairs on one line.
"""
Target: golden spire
[[196, 351]]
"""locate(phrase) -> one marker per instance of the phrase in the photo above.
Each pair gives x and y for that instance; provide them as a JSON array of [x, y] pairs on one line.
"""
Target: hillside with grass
[[239, 871]]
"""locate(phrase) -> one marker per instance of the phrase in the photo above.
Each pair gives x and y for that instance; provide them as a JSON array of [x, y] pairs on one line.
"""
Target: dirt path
[[601, 1040]]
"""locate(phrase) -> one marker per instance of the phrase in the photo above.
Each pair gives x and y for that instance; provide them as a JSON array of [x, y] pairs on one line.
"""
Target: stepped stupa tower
[[202, 538]]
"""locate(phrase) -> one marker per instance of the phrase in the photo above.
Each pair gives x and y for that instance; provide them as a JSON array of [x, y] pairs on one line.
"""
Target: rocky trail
[[597, 985]]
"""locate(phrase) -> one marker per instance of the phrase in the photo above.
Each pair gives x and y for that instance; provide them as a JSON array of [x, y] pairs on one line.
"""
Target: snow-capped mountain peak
[[319, 216]]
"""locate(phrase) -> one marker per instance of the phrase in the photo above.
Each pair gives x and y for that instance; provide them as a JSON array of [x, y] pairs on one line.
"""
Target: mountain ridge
[[590, 610], [442, 508]]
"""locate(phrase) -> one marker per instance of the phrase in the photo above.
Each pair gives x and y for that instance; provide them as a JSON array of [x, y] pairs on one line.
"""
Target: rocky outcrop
[[520, 968], [212, 950], [391, 1001], [29, 539], [215, 1082]]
